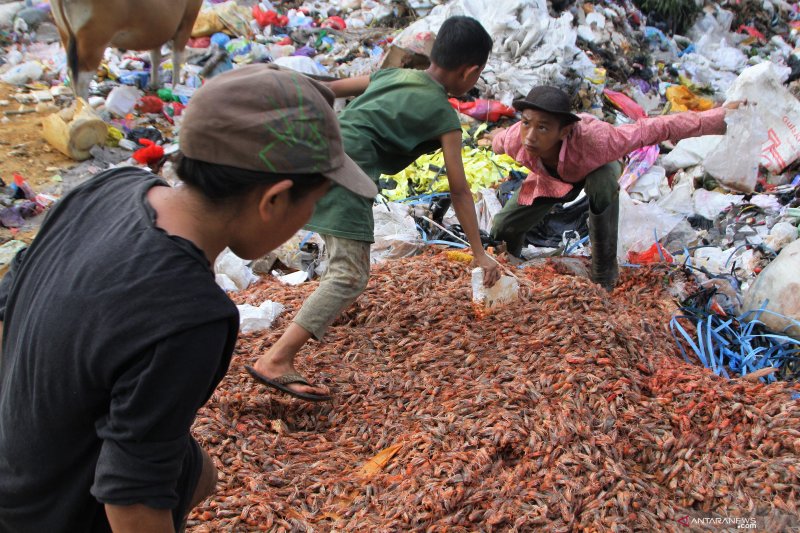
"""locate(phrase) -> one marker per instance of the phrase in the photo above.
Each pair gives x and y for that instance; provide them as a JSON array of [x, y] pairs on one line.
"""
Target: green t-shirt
[[400, 116]]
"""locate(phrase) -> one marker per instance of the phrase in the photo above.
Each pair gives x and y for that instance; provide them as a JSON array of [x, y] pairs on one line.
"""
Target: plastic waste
[[122, 100], [232, 272], [8, 251], [7, 13], [505, 291], [777, 108], [253, 319], [734, 161], [709, 204], [682, 99], [652, 185], [395, 233], [639, 163], [149, 104], [23, 73], [303, 64], [780, 235], [294, 278], [779, 286], [690, 152], [640, 224], [484, 110], [655, 254], [151, 153]]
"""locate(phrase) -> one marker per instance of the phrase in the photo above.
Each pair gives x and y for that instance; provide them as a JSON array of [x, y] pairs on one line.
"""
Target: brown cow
[[87, 27]]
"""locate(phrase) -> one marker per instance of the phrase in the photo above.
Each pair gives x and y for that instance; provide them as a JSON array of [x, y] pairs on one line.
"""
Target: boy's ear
[[565, 131], [470, 70], [271, 197]]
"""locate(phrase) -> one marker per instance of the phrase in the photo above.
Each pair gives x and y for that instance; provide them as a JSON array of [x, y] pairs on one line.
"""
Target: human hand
[[491, 268], [735, 104]]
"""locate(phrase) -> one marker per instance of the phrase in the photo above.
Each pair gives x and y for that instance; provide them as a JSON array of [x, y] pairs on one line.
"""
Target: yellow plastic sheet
[[484, 169], [682, 99]]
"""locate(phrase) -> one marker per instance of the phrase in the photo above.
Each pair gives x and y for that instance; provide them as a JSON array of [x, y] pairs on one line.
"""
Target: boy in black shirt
[[115, 332]]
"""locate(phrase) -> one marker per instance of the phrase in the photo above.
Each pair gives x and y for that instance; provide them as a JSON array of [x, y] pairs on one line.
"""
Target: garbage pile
[[723, 207], [564, 410]]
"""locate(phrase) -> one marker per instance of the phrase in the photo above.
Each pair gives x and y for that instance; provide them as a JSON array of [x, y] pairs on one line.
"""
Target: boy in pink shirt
[[567, 153]]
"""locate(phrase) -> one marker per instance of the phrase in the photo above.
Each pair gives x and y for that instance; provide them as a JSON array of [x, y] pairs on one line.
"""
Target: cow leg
[[155, 67], [177, 64], [90, 50], [181, 38]]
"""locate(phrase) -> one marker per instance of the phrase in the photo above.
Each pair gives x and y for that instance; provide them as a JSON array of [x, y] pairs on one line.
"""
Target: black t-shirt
[[115, 334]]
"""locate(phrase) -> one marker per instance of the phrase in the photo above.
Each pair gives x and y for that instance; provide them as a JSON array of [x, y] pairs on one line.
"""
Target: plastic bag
[[652, 185], [252, 318], [395, 233], [709, 204], [690, 152], [640, 224], [734, 162], [779, 285], [229, 265], [484, 110], [781, 235], [505, 291], [640, 161], [679, 199], [682, 99], [23, 73], [777, 108]]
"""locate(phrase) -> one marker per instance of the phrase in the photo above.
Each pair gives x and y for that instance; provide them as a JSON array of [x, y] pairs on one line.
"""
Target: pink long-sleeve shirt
[[593, 142]]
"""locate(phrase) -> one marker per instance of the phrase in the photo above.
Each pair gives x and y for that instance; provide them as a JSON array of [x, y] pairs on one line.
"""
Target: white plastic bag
[[778, 284], [690, 152], [780, 235], [229, 265], [506, 290], [679, 199], [487, 208], [395, 233], [252, 318], [640, 223], [652, 185], [734, 162], [23, 73], [709, 204], [779, 110], [121, 100]]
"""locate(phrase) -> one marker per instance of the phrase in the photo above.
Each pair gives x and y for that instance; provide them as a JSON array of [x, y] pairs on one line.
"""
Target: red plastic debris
[[151, 153], [752, 32], [335, 23], [651, 255], [199, 42], [150, 104], [486, 110], [269, 18]]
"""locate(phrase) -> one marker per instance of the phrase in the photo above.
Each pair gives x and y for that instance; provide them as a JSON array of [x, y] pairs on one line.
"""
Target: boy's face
[[466, 79], [269, 221], [541, 132]]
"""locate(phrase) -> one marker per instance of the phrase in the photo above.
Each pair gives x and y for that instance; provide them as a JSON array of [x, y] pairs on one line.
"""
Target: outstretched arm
[[465, 207], [349, 86]]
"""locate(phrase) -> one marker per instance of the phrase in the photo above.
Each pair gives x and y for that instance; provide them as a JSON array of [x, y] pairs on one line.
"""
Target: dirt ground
[[24, 151]]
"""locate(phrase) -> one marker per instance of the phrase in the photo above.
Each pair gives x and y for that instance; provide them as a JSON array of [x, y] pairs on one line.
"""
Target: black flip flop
[[280, 383]]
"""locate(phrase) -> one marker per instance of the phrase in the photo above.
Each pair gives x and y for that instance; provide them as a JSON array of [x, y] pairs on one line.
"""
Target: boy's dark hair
[[461, 41], [220, 183]]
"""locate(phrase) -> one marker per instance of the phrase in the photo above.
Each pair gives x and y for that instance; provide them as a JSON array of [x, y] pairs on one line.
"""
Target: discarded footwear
[[280, 383]]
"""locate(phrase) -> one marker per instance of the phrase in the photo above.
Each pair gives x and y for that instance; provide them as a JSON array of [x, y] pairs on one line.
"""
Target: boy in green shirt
[[399, 115]]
